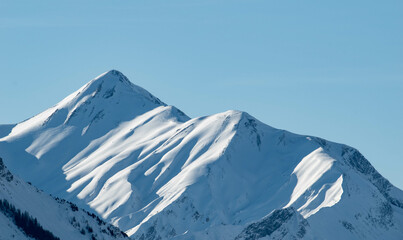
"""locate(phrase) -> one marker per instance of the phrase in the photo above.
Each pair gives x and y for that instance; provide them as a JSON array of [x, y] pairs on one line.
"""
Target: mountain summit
[[110, 96], [113, 148]]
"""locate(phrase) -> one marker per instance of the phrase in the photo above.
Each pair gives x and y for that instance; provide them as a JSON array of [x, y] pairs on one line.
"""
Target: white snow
[[332, 196], [309, 171], [47, 140], [115, 149], [56, 217]]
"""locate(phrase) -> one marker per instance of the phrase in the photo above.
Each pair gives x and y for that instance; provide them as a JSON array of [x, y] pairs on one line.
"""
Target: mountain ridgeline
[[28, 213], [114, 149]]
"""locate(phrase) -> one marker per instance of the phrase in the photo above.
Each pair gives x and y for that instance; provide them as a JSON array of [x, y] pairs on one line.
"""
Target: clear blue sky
[[333, 69]]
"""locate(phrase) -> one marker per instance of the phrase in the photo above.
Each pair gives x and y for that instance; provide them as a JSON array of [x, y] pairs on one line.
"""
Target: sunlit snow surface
[[54, 215], [144, 166]]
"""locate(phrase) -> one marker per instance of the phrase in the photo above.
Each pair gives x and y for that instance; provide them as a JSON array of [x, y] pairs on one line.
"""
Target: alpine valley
[[115, 150]]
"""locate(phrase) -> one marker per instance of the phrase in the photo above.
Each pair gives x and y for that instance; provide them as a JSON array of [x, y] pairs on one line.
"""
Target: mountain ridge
[[149, 169], [43, 216]]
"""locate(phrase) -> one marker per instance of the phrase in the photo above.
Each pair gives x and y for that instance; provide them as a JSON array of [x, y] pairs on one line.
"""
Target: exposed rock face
[[4, 173], [277, 223]]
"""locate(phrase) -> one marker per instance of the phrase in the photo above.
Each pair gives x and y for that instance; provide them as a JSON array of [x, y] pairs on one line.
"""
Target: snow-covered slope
[[152, 171], [63, 219]]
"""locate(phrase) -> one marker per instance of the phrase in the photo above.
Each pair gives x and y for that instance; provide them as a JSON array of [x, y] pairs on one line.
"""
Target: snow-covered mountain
[[146, 167], [28, 213]]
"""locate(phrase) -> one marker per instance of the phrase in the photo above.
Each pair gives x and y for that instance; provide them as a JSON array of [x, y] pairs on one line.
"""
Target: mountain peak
[[111, 93], [115, 149], [115, 72], [107, 83], [112, 76], [106, 100], [111, 82]]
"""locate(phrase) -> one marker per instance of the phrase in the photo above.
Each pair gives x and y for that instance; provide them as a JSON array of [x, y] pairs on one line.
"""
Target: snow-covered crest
[[110, 95], [57, 217], [146, 167]]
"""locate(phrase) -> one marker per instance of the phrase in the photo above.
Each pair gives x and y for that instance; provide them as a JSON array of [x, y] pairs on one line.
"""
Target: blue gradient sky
[[332, 69]]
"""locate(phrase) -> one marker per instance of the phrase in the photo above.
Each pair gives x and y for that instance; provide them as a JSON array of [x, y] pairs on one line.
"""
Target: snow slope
[[61, 218], [146, 167]]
